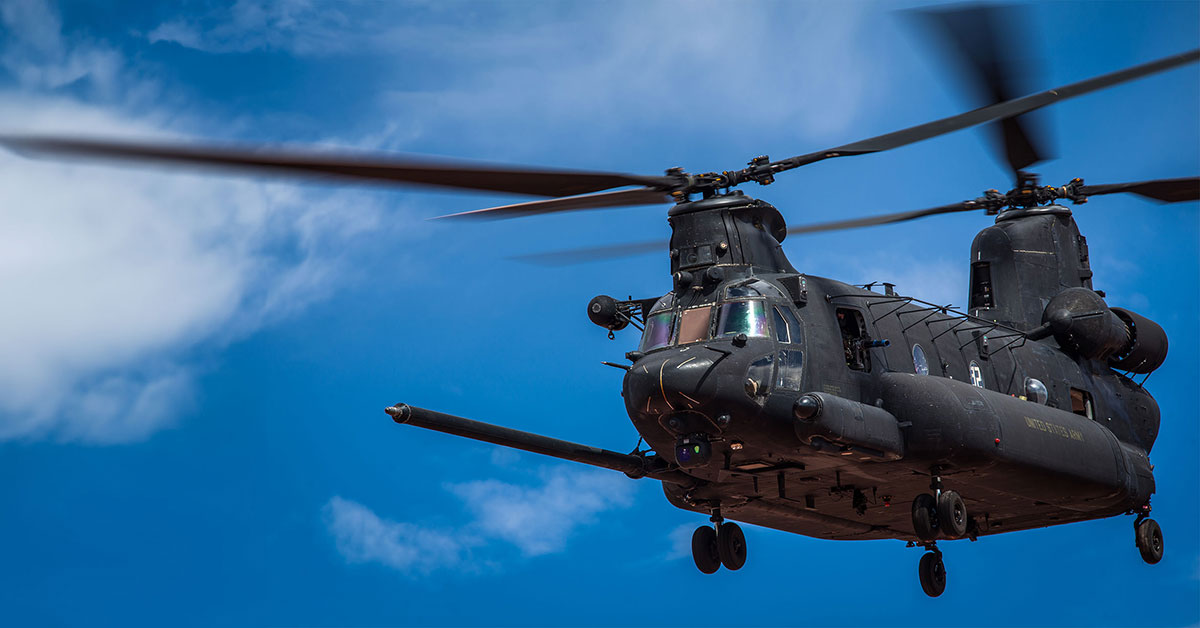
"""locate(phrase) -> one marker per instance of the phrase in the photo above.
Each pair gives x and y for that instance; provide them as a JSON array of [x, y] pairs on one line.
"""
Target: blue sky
[[195, 366]]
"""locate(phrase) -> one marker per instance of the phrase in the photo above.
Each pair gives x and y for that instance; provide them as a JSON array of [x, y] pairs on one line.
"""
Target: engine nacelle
[[1083, 324]]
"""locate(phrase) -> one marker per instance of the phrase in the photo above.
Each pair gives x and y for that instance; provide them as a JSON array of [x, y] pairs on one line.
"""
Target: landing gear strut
[[720, 544], [945, 514]]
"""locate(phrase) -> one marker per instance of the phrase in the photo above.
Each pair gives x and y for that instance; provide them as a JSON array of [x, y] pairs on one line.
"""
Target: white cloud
[[36, 53], [362, 537], [681, 541], [576, 62], [113, 277], [106, 269], [537, 520]]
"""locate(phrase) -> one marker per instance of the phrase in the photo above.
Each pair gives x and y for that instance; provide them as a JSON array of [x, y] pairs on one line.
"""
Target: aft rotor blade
[[1165, 190], [619, 198], [987, 114], [981, 37], [593, 254], [421, 171], [884, 219]]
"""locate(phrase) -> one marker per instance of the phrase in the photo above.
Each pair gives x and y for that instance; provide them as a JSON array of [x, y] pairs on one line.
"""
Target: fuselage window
[[659, 328], [1035, 391], [743, 317], [854, 339], [1081, 403], [920, 363], [694, 324]]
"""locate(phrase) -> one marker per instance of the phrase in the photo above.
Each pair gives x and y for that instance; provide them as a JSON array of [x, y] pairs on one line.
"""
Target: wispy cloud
[[362, 536], [114, 277], [575, 62], [537, 520]]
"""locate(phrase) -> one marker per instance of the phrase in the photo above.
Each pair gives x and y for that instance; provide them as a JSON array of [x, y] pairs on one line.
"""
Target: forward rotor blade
[[420, 171], [977, 35], [989, 113], [619, 198], [884, 219], [1165, 190], [593, 254]]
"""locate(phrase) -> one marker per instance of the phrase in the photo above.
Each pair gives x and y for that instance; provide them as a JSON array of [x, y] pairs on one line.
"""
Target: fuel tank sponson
[[1043, 453], [855, 427]]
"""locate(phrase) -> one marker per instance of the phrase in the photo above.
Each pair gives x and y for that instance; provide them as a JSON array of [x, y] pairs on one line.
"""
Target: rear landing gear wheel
[[731, 546], [704, 550], [924, 517], [933, 574], [952, 514], [1149, 541]]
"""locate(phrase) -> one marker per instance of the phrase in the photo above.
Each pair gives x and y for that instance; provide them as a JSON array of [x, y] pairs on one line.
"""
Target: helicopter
[[788, 400]]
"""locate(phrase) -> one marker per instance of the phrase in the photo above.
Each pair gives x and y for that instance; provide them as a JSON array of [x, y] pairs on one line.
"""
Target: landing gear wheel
[[924, 517], [731, 546], [1149, 541], [933, 574], [704, 550], [952, 514]]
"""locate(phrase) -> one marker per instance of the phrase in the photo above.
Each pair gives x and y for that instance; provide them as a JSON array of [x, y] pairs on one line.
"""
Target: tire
[[704, 550], [952, 515], [933, 574], [1150, 541], [924, 517], [731, 546]]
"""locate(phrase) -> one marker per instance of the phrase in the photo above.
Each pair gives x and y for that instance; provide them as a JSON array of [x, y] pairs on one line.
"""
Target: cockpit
[[746, 307], [752, 308]]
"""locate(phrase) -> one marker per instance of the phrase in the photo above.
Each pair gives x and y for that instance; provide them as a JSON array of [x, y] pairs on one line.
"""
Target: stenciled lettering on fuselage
[[1053, 428]]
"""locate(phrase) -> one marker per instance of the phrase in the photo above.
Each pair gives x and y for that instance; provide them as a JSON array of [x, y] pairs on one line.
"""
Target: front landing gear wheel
[[951, 514], [1149, 541], [924, 517], [704, 550], [933, 574], [731, 546]]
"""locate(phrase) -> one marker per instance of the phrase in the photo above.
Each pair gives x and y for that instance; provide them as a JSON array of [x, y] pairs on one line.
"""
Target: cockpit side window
[[659, 329], [785, 317], [743, 317]]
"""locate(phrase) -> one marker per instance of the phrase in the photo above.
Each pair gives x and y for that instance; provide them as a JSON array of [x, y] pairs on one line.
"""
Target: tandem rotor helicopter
[[809, 405]]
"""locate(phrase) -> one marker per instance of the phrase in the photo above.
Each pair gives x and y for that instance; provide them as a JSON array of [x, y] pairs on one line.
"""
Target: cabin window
[[854, 339], [1036, 391], [920, 362], [981, 285], [694, 324], [1081, 403], [658, 331], [743, 317]]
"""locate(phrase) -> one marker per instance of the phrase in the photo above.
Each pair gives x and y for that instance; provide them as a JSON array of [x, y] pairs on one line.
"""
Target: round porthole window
[[920, 364], [1035, 391]]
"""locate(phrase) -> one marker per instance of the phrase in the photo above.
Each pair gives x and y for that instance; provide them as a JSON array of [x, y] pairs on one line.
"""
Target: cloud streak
[[537, 520]]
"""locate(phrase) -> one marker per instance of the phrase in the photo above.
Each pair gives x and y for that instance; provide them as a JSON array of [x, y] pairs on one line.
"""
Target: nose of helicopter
[[668, 381]]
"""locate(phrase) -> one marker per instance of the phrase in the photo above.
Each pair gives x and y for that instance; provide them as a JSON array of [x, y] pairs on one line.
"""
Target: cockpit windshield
[[743, 317]]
